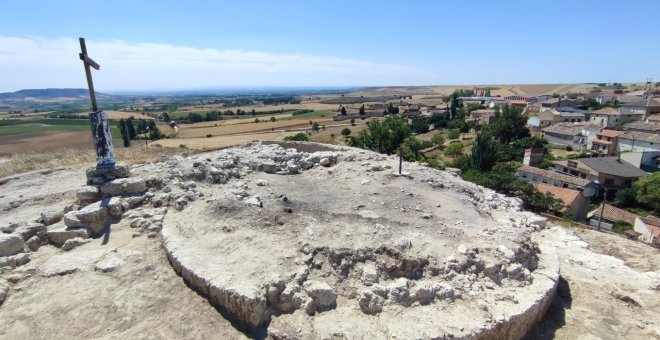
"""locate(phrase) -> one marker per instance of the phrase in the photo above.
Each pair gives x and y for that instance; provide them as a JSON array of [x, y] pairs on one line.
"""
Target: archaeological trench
[[310, 241]]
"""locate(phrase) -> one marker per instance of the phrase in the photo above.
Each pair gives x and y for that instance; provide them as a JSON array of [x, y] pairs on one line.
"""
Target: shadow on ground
[[555, 317]]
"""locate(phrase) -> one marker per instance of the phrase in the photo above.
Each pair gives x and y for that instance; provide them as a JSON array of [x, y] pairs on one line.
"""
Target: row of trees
[[131, 128]]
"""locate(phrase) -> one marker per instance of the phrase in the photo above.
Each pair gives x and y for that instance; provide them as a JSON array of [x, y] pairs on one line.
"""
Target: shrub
[[453, 134], [209, 135], [454, 150], [183, 146], [297, 137]]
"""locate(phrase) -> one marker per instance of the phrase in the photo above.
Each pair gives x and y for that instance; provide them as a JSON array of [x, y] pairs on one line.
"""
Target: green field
[[40, 126]]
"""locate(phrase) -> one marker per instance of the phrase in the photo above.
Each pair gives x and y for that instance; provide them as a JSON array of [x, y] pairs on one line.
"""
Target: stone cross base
[[98, 175]]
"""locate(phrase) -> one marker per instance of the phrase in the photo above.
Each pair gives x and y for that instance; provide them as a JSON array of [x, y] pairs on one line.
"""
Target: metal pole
[[602, 208]]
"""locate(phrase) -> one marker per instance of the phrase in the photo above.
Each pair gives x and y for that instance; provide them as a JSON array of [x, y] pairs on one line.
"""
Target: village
[[612, 138]]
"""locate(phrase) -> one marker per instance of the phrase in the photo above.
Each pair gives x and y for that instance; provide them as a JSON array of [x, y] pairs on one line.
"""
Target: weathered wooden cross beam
[[105, 156]]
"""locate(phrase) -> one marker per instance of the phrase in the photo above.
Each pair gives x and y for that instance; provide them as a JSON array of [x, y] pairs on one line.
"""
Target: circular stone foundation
[[332, 243]]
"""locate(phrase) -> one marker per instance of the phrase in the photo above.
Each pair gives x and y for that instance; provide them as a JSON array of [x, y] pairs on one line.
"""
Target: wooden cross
[[89, 62]]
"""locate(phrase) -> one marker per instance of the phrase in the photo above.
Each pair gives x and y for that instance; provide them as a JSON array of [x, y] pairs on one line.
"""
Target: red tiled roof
[[610, 133], [565, 195], [614, 214], [608, 111]]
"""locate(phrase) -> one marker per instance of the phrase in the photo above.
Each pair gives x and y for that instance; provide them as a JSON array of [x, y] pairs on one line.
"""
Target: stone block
[[123, 186]]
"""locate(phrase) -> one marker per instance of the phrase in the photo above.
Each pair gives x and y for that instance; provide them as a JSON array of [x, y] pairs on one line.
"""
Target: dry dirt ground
[[609, 288]]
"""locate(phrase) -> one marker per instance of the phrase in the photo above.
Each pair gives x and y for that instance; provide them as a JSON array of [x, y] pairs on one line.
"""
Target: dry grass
[[31, 161]]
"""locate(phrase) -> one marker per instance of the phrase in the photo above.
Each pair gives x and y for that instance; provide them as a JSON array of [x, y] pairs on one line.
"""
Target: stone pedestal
[[98, 175]]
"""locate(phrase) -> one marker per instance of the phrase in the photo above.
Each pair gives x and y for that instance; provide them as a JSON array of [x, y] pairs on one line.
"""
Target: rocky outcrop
[[10, 244]]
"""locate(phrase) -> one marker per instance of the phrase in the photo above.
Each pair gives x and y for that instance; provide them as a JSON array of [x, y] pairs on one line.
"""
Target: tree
[[346, 132], [362, 112], [343, 111], [454, 150], [438, 140], [352, 121], [316, 127], [420, 125], [453, 134], [411, 149], [484, 153], [382, 136], [647, 191], [166, 117], [455, 104], [123, 129], [273, 119], [509, 125]]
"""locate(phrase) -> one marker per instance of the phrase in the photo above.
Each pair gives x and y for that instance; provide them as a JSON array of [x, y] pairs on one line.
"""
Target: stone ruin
[[303, 240]]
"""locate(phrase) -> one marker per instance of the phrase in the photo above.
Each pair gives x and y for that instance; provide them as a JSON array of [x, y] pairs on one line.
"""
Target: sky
[[160, 45]]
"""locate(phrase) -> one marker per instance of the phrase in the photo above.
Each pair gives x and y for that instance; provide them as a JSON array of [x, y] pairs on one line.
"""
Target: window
[[535, 179], [583, 175], [628, 182], [524, 175]]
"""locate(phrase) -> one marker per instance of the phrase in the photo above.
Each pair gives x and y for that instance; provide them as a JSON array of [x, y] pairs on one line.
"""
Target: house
[[556, 103], [484, 116], [642, 127], [520, 103], [612, 172], [606, 141], [565, 135], [549, 117], [649, 228], [536, 175], [606, 117], [642, 108], [633, 141], [575, 204], [543, 97], [610, 215]]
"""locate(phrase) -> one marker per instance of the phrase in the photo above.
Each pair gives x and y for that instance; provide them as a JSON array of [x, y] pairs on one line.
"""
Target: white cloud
[[34, 62]]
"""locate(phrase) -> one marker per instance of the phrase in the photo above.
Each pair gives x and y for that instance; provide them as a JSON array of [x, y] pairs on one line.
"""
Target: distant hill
[[48, 93]]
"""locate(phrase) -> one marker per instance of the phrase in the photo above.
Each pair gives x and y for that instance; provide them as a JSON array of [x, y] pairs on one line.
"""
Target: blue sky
[[195, 44]]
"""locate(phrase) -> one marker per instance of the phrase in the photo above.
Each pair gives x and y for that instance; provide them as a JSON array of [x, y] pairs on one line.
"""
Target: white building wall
[[630, 145]]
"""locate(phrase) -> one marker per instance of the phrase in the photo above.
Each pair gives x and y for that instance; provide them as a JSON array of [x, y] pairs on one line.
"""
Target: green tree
[[509, 125], [438, 140], [647, 191], [484, 153], [166, 117], [346, 132], [273, 119], [362, 112], [454, 150], [352, 121], [123, 129], [382, 136], [315, 127], [412, 147], [453, 134], [420, 125], [343, 111]]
